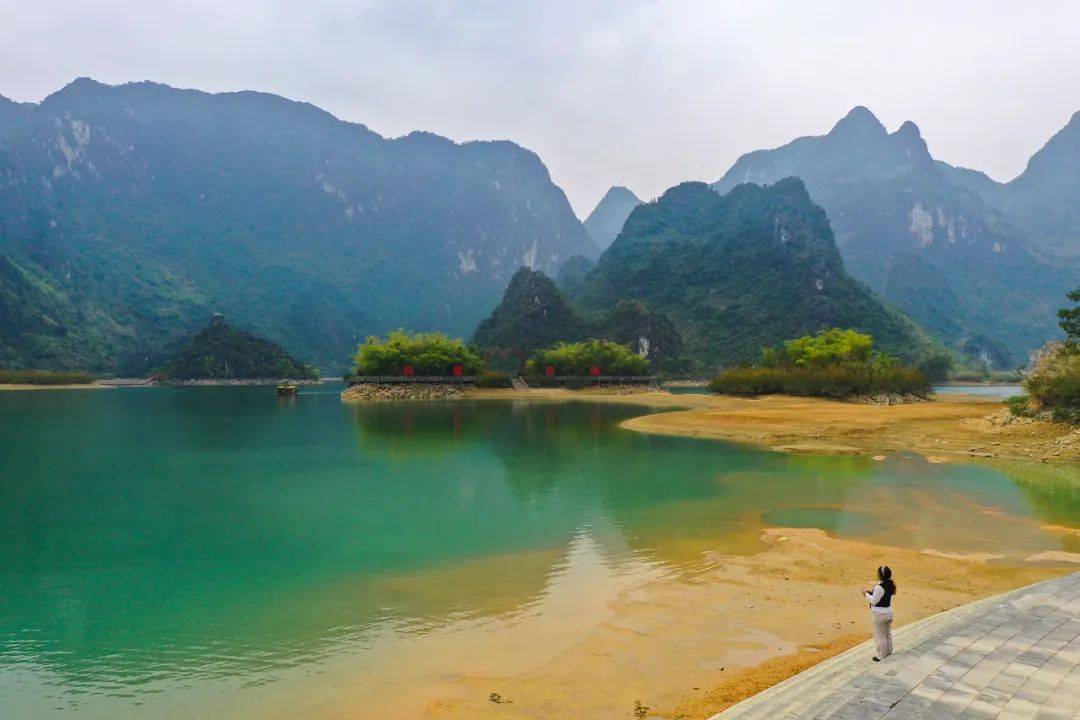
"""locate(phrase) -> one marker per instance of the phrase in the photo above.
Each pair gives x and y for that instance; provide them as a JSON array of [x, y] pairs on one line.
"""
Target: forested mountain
[[607, 218], [922, 235], [222, 352], [534, 314], [572, 273], [741, 271], [129, 213]]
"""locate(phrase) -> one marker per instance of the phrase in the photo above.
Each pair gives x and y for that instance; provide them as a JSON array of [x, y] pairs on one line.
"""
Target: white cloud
[[639, 93]]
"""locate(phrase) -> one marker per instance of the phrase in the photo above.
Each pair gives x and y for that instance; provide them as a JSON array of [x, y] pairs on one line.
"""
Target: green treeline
[[835, 363], [45, 377], [428, 354], [579, 358]]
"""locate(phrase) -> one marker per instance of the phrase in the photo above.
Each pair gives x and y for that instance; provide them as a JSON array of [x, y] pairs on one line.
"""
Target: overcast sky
[[645, 94]]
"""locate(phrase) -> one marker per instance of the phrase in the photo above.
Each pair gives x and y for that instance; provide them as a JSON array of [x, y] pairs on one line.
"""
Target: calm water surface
[[993, 391], [221, 552]]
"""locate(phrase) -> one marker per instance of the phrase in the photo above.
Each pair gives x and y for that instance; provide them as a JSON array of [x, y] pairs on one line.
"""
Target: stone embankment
[[378, 392]]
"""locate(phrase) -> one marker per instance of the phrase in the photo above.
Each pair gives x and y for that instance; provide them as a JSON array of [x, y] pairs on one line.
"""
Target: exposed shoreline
[[15, 387], [948, 428], [689, 645], [770, 615]]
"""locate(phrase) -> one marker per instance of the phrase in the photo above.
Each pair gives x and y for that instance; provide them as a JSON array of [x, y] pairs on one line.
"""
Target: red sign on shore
[[595, 371], [550, 371], [407, 371], [458, 371]]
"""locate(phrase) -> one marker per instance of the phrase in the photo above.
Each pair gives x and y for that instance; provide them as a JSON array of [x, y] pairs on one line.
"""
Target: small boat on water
[[287, 389]]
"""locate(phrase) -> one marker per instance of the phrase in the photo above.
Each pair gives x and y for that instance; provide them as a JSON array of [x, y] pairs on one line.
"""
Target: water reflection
[[156, 539]]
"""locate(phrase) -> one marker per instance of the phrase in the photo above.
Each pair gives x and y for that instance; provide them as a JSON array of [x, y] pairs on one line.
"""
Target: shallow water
[[993, 391], [220, 551]]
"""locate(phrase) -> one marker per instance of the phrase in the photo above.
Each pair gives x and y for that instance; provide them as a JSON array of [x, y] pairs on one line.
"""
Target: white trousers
[[882, 623]]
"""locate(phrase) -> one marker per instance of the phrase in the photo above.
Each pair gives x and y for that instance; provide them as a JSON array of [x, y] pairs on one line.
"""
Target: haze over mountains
[[128, 214], [959, 253], [607, 218]]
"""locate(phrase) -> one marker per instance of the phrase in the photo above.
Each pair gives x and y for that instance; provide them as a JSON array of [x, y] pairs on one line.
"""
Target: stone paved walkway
[[1008, 657]]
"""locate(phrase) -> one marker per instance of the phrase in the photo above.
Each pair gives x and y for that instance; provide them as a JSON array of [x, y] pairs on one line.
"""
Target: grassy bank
[[45, 377]]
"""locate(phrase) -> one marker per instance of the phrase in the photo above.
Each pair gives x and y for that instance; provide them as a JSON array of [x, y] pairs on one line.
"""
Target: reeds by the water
[[45, 377]]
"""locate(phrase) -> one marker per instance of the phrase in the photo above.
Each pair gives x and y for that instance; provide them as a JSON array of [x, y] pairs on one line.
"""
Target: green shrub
[[834, 363], [45, 377], [1019, 405], [579, 358], [834, 381], [829, 347], [494, 381], [428, 353], [1054, 381]]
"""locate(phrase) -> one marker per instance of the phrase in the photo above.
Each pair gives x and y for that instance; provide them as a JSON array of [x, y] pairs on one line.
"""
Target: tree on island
[[427, 354], [836, 363], [579, 359]]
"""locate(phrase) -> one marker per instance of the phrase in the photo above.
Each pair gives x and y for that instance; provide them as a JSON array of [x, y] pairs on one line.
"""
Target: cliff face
[[127, 213]]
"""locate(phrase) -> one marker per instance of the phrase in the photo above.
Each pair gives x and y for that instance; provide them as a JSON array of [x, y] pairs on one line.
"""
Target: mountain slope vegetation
[[921, 234], [534, 314], [222, 352], [742, 271], [128, 213]]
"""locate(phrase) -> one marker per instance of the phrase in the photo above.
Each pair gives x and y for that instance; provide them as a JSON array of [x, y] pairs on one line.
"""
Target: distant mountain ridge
[[128, 212], [607, 218], [741, 271], [922, 234], [1043, 202]]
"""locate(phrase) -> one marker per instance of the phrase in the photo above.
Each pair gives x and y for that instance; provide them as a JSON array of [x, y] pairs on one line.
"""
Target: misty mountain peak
[[607, 218], [859, 120], [908, 130]]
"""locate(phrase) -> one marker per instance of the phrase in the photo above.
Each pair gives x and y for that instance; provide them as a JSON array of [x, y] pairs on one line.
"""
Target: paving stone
[[1012, 657]]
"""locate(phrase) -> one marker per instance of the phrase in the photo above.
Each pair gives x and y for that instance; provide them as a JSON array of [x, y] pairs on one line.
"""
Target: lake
[[197, 552]]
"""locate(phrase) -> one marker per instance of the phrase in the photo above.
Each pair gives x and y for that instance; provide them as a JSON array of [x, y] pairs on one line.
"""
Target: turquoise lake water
[[170, 552]]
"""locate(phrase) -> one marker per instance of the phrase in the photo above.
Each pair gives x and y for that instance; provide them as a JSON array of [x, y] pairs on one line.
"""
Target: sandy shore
[[948, 428], [690, 645]]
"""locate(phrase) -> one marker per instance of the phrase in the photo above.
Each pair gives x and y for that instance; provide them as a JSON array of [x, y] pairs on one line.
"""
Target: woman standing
[[881, 612]]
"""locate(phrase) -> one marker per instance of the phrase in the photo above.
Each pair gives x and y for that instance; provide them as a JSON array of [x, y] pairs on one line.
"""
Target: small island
[[223, 355]]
